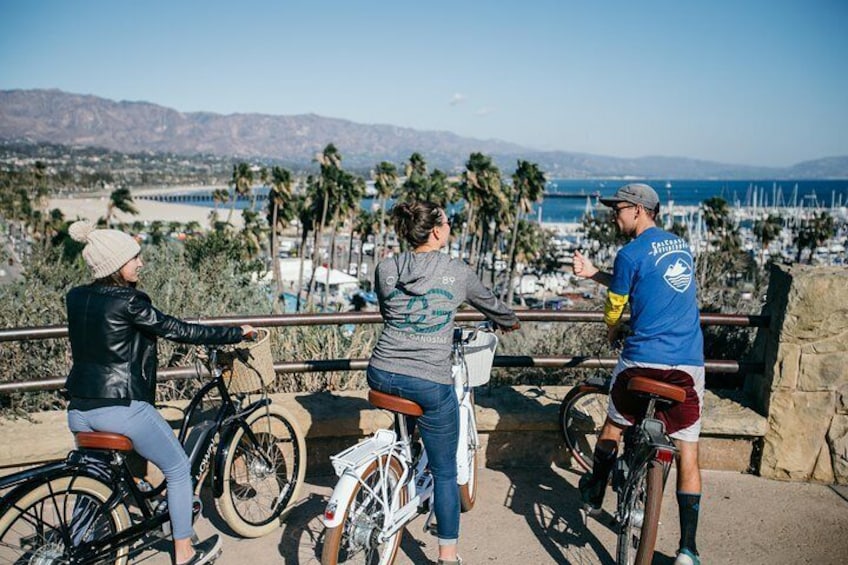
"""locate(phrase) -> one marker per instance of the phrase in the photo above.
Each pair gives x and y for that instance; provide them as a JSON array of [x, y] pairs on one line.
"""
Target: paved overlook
[[530, 516]]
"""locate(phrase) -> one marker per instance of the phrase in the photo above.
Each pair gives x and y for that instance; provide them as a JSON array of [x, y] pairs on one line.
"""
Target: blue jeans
[[154, 440], [439, 429]]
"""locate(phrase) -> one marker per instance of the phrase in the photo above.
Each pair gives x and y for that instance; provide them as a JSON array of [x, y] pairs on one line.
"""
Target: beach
[[93, 207]]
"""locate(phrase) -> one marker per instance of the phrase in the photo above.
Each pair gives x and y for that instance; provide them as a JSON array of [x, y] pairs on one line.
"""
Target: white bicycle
[[384, 481]]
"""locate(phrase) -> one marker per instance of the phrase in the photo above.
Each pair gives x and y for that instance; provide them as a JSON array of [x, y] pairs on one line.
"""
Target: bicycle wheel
[[638, 533], [356, 539], [262, 479], [581, 417], [468, 491], [39, 523]]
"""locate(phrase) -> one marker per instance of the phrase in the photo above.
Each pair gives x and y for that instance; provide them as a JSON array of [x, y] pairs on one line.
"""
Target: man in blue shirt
[[655, 273]]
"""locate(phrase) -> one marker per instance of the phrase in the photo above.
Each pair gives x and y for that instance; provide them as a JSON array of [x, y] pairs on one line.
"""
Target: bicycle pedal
[[587, 512]]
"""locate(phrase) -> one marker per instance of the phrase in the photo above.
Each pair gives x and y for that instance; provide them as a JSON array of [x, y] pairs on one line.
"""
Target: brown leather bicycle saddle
[[394, 403], [646, 385], [103, 440]]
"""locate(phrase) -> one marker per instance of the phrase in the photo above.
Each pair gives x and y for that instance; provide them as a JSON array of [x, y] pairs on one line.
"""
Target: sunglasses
[[617, 210]]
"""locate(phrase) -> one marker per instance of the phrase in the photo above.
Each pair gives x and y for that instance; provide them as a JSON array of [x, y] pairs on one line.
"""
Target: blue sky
[[744, 81]]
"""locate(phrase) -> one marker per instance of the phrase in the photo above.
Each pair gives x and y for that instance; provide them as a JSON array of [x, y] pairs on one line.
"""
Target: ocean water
[[693, 192], [808, 193]]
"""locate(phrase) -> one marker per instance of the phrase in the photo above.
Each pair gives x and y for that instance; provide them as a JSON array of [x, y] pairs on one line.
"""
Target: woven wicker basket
[[479, 355], [250, 364]]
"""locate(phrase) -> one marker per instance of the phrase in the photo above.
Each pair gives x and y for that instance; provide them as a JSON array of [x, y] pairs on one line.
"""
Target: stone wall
[[804, 390]]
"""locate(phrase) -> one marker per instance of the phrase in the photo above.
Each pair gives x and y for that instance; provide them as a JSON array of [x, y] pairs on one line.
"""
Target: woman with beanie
[[419, 292], [113, 328]]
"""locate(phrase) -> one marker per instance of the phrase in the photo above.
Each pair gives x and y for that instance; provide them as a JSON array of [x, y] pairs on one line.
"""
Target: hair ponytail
[[414, 220]]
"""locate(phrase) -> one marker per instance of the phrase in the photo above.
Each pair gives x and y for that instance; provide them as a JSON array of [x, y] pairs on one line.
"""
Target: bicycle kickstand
[[430, 524]]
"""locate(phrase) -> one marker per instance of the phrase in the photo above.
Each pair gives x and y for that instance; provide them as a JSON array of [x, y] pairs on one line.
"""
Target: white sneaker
[[686, 557]]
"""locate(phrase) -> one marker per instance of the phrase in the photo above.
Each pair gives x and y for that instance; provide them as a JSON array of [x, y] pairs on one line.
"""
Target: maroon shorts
[[675, 417]]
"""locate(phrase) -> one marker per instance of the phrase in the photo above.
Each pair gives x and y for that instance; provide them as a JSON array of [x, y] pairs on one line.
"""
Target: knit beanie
[[106, 251]]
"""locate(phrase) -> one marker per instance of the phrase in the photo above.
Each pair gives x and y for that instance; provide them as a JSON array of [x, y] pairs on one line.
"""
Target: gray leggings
[[154, 440]]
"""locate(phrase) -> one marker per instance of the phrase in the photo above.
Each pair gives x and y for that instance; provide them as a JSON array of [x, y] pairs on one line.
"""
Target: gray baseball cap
[[634, 193]]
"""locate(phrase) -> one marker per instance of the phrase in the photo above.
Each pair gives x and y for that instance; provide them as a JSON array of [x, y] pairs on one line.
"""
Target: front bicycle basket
[[249, 366], [479, 355]]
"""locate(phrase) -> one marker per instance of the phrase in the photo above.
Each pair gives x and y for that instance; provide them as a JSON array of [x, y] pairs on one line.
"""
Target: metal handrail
[[341, 318], [329, 365]]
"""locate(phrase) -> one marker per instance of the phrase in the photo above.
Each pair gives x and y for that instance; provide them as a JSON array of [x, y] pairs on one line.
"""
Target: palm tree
[[479, 181], [529, 244], [251, 234], [241, 183], [528, 185], [813, 232], [415, 187], [192, 227], [219, 196], [305, 211], [366, 225], [279, 199], [438, 189], [175, 227], [767, 230], [324, 194], [385, 182], [120, 199], [263, 180], [157, 236], [352, 205], [717, 218]]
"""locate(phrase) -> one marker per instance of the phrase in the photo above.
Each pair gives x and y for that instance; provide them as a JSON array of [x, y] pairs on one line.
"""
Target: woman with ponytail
[[419, 292]]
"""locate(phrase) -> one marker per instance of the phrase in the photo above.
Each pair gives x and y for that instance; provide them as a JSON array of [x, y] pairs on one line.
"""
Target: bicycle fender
[[29, 474], [23, 482], [336, 508], [462, 471], [221, 459]]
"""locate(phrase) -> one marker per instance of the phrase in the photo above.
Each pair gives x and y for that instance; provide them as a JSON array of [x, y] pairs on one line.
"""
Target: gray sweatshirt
[[419, 294]]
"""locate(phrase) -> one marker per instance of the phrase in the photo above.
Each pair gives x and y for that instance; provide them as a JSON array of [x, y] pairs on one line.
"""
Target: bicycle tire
[[638, 534], [350, 541], [39, 520], [581, 416], [256, 498], [468, 490]]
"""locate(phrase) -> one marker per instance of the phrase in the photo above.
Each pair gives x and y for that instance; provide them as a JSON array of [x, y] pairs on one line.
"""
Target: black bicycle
[[90, 509], [640, 473]]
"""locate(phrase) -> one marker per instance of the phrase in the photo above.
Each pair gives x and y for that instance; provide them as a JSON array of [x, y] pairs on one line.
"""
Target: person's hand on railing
[[615, 336], [512, 328], [248, 333]]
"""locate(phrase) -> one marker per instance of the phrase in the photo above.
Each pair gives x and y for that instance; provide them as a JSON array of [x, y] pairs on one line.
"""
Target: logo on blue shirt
[[678, 275]]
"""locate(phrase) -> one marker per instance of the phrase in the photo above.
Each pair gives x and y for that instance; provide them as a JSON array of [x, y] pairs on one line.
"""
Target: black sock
[[689, 506], [602, 463]]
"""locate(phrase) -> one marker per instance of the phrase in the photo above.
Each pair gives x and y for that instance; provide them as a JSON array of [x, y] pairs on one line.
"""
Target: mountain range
[[75, 119]]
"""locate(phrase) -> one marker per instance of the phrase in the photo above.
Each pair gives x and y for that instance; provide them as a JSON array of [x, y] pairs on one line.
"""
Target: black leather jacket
[[113, 333]]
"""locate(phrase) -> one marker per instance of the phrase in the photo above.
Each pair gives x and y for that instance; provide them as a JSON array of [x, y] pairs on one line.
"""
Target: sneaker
[[591, 493], [457, 562], [686, 557], [206, 551]]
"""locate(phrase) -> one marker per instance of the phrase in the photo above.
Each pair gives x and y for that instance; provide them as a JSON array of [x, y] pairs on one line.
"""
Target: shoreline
[[92, 208]]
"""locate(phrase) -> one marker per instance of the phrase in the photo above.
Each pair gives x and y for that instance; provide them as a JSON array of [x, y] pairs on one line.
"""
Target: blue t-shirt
[[656, 271]]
